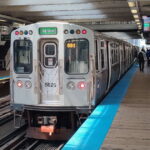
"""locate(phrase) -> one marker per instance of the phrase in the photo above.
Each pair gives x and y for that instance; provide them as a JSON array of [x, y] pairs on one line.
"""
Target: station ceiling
[[101, 15]]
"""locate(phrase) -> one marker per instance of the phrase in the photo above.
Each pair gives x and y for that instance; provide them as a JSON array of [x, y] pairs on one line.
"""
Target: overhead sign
[[48, 31], [146, 24]]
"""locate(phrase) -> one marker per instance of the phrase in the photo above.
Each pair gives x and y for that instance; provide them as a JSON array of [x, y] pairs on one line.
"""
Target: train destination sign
[[48, 31], [71, 45]]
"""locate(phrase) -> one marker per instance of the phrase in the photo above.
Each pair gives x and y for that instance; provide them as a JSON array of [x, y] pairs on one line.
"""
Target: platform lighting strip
[[134, 11]]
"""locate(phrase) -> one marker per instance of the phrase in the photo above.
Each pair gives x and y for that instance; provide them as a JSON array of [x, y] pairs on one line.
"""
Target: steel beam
[[52, 2], [82, 6], [14, 19], [73, 13]]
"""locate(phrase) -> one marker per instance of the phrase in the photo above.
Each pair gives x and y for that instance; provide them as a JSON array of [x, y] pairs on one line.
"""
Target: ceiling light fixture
[[2, 20], [134, 11], [136, 16], [131, 4], [137, 20]]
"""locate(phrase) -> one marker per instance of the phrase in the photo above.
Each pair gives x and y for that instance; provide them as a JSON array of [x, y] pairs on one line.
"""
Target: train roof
[[52, 21], [97, 34]]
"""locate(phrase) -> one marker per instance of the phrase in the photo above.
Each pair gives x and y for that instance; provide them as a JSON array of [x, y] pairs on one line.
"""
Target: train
[[60, 72]]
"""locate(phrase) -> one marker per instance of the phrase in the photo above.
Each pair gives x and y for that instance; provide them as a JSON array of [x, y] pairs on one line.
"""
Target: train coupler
[[48, 129], [47, 124]]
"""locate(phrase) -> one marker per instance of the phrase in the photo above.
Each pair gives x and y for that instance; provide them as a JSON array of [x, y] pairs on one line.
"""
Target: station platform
[[4, 75], [130, 128]]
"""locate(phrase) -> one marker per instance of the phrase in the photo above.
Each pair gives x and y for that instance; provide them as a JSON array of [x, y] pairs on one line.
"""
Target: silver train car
[[60, 72]]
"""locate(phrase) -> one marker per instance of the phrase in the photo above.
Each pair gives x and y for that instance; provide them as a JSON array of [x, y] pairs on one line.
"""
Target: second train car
[[60, 72]]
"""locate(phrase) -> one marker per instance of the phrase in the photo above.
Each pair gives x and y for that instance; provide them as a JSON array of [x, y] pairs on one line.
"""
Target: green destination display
[[48, 31]]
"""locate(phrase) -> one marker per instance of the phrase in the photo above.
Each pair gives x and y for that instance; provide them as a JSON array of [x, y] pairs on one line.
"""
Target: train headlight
[[28, 84], [20, 83], [81, 85], [17, 33], [84, 31], [71, 85]]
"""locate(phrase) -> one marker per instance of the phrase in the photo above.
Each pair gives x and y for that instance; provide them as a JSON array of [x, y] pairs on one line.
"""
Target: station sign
[[146, 24], [48, 31]]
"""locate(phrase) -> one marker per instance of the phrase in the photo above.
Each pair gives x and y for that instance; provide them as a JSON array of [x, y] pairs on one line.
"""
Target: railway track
[[20, 142], [6, 114], [15, 139], [49, 145], [8, 137]]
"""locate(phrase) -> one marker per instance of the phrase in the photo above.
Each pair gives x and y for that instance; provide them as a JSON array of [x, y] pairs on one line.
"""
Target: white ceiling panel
[[93, 12]]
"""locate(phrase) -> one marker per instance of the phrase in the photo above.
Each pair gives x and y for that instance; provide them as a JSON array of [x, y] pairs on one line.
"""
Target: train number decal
[[47, 84]]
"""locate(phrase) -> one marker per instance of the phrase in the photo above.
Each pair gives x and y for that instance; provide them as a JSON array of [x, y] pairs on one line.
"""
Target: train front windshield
[[23, 56], [76, 56]]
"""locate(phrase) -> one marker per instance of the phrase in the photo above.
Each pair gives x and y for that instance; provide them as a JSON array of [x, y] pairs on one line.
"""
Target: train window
[[121, 54], [116, 57], [50, 57], [76, 56], [96, 55], [102, 43], [102, 58], [112, 56], [50, 49], [23, 56]]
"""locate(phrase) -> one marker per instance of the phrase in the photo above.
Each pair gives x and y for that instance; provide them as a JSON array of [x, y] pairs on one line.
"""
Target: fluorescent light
[[136, 16], [2, 20], [134, 11], [138, 23], [131, 4], [137, 20]]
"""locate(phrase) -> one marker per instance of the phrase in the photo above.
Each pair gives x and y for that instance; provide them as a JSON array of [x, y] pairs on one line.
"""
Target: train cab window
[[50, 55], [76, 56], [50, 49], [23, 56]]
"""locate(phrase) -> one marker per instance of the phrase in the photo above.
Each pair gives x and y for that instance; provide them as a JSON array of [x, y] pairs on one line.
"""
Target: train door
[[124, 51], [102, 71], [49, 73], [108, 64], [109, 59], [104, 65], [120, 59]]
